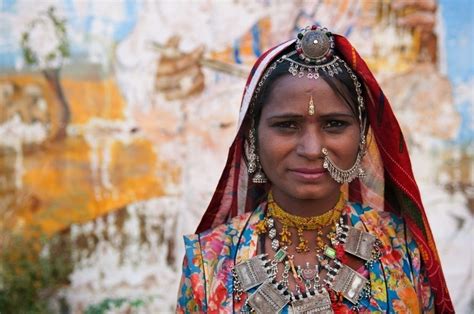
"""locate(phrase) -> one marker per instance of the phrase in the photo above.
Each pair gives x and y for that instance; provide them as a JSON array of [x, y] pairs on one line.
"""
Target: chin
[[313, 192]]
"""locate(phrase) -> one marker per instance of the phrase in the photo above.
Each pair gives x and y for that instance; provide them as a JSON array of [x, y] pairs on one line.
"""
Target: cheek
[[265, 149], [272, 149], [345, 147]]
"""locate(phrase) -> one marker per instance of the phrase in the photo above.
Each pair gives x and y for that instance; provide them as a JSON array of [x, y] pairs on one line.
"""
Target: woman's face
[[290, 140]]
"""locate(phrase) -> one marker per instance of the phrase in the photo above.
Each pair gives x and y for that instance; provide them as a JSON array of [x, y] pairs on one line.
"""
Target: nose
[[310, 144]]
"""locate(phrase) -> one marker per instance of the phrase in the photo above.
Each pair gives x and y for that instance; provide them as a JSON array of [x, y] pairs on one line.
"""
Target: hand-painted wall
[[116, 116]]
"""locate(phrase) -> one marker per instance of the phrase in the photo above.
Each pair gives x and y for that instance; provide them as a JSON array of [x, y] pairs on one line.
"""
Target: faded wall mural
[[116, 116]]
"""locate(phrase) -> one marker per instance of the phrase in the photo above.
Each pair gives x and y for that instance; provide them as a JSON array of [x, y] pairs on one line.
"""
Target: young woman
[[317, 209]]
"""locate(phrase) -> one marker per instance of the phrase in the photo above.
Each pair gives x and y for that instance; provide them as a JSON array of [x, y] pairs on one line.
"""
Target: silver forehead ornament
[[315, 45], [315, 51]]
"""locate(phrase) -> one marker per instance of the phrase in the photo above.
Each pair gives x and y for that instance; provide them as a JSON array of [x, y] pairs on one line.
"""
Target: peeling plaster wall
[[129, 253], [139, 161]]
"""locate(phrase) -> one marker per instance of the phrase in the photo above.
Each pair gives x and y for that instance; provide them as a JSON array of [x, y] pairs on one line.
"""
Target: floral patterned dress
[[397, 280]]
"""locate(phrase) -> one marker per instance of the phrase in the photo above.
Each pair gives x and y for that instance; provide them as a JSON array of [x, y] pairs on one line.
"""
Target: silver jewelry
[[250, 151], [252, 272], [272, 232], [259, 177], [313, 297], [315, 57], [315, 50], [315, 47], [269, 298], [350, 283], [253, 161], [341, 175], [358, 242], [320, 302]]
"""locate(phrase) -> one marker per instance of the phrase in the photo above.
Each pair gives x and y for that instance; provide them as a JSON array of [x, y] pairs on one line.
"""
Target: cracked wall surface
[[120, 148]]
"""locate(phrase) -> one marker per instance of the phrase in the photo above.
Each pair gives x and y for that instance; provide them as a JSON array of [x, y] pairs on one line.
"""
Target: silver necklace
[[272, 295]]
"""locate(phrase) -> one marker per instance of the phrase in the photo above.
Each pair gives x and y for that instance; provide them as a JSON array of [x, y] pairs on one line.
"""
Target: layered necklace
[[313, 293]]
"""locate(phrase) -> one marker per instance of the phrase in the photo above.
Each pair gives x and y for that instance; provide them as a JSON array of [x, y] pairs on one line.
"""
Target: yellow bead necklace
[[300, 224], [305, 223]]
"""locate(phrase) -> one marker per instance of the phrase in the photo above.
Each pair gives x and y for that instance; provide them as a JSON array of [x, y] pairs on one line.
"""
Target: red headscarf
[[390, 186]]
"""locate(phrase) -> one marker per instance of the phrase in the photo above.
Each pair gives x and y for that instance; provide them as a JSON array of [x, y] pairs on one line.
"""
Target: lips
[[309, 170], [308, 174]]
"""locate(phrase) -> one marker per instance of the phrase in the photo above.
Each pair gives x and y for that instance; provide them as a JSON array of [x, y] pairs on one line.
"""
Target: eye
[[286, 125], [335, 124]]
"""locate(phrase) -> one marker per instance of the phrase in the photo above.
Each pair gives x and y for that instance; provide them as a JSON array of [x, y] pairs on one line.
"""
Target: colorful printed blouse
[[397, 280]]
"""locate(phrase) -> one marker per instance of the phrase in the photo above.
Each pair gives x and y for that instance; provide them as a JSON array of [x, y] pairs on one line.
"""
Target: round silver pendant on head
[[315, 44]]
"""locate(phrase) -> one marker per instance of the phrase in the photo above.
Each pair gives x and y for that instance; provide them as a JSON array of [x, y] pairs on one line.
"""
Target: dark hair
[[342, 84]]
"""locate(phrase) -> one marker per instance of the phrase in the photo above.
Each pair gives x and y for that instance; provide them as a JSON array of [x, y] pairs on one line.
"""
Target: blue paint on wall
[[458, 18], [236, 52], [8, 6], [256, 40], [10, 52], [124, 28]]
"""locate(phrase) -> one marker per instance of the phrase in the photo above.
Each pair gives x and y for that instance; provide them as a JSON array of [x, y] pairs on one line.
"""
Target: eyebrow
[[285, 116], [299, 116], [337, 114]]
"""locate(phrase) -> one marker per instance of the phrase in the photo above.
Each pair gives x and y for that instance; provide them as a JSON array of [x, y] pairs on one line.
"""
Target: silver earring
[[250, 151], [254, 167], [344, 176], [259, 177]]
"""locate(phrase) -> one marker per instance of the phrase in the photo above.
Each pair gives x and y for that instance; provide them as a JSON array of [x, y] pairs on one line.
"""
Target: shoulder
[[220, 239], [388, 227], [376, 216], [235, 225]]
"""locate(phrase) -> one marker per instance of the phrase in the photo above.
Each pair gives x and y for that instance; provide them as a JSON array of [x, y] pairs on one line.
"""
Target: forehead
[[291, 93]]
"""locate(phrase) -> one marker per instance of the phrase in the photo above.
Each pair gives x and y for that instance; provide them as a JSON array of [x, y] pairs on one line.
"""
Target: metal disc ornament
[[315, 44]]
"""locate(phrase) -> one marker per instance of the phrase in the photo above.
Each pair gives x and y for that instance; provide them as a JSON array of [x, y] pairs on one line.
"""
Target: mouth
[[308, 174]]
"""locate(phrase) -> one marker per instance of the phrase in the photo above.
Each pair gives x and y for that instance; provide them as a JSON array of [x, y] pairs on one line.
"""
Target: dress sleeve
[[191, 293], [420, 278]]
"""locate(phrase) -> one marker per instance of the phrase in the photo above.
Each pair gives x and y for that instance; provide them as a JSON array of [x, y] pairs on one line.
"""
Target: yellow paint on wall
[[68, 190], [72, 180], [93, 99], [87, 98]]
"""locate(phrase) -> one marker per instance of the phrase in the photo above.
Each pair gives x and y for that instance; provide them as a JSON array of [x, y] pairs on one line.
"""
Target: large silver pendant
[[359, 243], [350, 283], [268, 298], [319, 303], [252, 272]]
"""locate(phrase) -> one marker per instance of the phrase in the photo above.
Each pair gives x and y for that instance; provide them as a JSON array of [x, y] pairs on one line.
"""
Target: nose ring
[[340, 175]]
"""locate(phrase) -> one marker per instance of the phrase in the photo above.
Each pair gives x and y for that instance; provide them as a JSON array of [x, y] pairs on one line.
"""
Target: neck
[[305, 207]]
